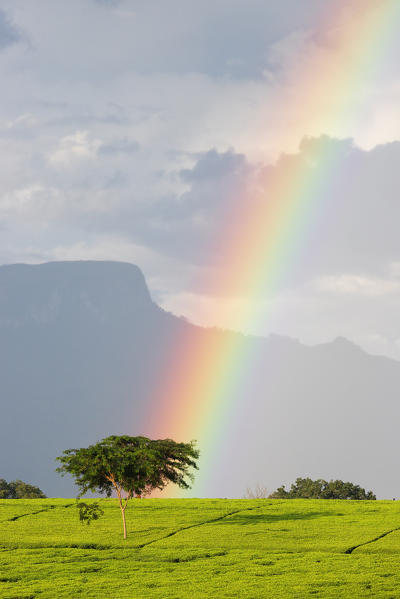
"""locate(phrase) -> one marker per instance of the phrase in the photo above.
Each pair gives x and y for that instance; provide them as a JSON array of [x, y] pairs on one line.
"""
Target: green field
[[189, 548]]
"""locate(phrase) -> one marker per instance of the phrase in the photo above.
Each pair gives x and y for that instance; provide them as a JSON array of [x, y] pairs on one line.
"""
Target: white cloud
[[350, 284], [75, 148], [23, 121], [394, 270], [35, 201], [43, 204], [101, 248]]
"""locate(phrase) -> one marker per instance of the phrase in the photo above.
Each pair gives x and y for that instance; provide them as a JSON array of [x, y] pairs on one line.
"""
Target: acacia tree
[[129, 466]]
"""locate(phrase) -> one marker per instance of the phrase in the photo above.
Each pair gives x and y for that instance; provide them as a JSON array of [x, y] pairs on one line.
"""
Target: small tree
[[17, 489], [25, 491], [129, 466]]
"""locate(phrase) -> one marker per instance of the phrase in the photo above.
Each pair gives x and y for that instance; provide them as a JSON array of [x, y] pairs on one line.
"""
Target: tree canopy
[[306, 488], [129, 466], [17, 489]]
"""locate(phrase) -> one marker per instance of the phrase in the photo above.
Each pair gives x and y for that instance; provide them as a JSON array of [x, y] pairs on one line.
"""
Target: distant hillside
[[82, 343]]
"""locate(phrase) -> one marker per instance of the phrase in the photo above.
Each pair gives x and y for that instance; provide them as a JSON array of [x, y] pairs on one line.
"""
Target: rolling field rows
[[178, 549]]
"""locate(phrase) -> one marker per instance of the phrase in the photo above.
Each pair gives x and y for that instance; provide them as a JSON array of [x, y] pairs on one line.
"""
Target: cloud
[[353, 224], [9, 33], [119, 146], [237, 37], [28, 201], [73, 149], [357, 285], [23, 121], [107, 2], [213, 166], [216, 39], [110, 185], [186, 77]]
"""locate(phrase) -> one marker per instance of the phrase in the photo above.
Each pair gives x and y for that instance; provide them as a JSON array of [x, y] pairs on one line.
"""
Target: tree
[[129, 466], [17, 489], [306, 488], [25, 491], [4, 489]]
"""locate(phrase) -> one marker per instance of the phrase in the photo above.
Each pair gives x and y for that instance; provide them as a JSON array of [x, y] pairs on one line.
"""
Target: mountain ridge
[[144, 298], [81, 348]]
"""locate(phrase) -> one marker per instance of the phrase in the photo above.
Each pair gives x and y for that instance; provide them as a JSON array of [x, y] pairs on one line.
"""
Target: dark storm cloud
[[185, 226], [9, 34], [214, 165], [353, 225]]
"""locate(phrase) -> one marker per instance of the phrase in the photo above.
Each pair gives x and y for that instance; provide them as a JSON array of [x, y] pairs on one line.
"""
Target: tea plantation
[[190, 548]]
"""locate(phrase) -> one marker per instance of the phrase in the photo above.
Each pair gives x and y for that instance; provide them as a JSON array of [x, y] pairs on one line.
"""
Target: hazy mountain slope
[[79, 342], [81, 345]]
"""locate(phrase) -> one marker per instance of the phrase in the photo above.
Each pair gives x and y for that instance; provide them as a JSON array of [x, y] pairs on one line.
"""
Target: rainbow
[[265, 232]]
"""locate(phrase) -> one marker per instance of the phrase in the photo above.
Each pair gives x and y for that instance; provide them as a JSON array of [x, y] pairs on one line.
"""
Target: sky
[[128, 129]]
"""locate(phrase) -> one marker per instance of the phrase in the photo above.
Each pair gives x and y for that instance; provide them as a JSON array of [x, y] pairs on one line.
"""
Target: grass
[[211, 548]]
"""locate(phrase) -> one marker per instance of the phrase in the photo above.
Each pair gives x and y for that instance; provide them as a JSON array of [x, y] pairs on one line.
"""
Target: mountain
[[81, 348]]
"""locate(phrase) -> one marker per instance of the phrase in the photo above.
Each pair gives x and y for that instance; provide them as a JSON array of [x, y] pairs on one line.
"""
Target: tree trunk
[[118, 489], [122, 508], [123, 521]]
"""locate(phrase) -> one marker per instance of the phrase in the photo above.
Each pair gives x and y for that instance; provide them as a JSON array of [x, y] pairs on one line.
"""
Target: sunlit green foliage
[[306, 488], [184, 549], [136, 465], [89, 512], [128, 466]]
